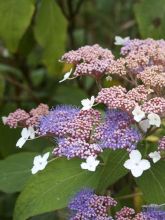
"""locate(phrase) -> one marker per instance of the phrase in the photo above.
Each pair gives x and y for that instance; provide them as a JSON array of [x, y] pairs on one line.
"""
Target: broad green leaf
[[15, 17], [152, 183], [15, 171], [113, 169], [9, 138], [52, 188], [150, 16], [50, 32], [69, 95]]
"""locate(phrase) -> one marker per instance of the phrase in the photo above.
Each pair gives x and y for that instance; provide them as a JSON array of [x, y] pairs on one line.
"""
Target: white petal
[[84, 166], [34, 170], [129, 164], [88, 103], [144, 164], [136, 172], [42, 165], [86, 107], [155, 156], [90, 160], [92, 168], [66, 76], [154, 119], [25, 133], [96, 163], [85, 102], [92, 100], [21, 142], [37, 160], [121, 41], [145, 125], [45, 156], [138, 114], [32, 132], [4, 119], [135, 155]]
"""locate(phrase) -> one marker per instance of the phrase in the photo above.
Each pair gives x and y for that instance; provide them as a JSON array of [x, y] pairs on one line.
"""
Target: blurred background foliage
[[33, 36]]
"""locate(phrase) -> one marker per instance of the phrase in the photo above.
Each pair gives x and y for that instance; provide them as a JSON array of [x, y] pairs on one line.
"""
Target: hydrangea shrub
[[92, 142]]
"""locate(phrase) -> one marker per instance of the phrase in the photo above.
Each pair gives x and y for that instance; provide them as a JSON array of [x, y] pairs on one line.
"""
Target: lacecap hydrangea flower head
[[114, 118]]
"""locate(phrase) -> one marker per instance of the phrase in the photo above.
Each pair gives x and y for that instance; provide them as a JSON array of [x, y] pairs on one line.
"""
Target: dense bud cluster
[[87, 205], [89, 60], [23, 119], [116, 132]]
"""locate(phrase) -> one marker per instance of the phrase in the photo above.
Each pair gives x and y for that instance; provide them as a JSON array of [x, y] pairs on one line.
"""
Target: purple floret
[[87, 205], [117, 132], [57, 121]]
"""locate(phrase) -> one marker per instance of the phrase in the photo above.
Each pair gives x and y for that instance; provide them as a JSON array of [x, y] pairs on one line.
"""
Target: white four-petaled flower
[[90, 164], [138, 113], [87, 103], [154, 119], [66, 76], [155, 156], [121, 41], [39, 163], [136, 164], [25, 134]]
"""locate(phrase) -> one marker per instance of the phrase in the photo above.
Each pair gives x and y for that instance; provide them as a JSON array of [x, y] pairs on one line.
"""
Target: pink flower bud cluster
[[145, 52], [127, 213], [116, 98], [153, 77], [23, 118], [89, 60], [142, 60], [73, 147], [76, 141], [36, 113], [83, 124], [161, 145], [87, 205], [139, 94], [155, 105], [17, 118]]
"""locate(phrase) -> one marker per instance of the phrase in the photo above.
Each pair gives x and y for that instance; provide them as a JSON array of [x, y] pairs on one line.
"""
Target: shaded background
[[34, 35]]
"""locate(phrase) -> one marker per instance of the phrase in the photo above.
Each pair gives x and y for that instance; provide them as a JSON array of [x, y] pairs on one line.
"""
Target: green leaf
[[50, 32], [113, 169], [150, 16], [52, 188], [152, 183], [15, 171], [15, 18], [7, 145], [65, 94]]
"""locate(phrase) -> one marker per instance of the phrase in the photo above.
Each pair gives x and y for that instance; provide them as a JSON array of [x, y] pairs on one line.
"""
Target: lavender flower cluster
[[86, 205], [118, 131]]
